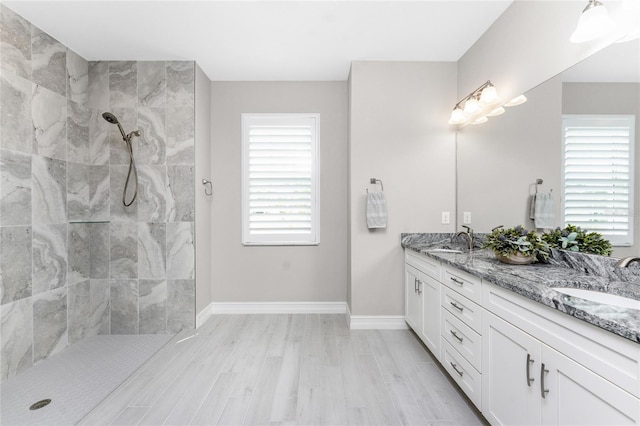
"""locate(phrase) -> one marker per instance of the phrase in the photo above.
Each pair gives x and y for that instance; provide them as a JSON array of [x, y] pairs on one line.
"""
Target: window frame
[[311, 239], [616, 240]]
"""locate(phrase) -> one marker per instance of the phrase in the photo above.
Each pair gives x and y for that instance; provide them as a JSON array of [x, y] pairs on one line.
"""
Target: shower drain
[[40, 404]]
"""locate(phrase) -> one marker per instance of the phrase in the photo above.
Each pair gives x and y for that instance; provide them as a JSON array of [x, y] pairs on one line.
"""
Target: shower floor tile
[[76, 379]]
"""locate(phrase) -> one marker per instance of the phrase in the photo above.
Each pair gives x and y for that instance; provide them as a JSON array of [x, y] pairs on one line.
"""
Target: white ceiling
[[618, 63], [266, 40]]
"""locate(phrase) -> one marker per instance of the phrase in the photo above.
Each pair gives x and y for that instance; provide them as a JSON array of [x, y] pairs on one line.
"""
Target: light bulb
[[516, 101], [489, 95], [457, 116], [480, 120], [496, 112], [593, 23], [472, 106]]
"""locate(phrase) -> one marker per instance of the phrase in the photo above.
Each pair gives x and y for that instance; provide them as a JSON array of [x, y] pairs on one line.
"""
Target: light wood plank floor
[[287, 370]]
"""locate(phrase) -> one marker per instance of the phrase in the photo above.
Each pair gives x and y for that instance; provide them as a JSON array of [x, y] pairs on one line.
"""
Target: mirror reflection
[[499, 162]]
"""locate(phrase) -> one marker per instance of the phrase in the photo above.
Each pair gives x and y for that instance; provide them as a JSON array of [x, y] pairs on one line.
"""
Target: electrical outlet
[[446, 218], [466, 218]]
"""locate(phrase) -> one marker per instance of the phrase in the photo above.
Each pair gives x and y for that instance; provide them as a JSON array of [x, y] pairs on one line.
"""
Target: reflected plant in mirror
[[574, 238]]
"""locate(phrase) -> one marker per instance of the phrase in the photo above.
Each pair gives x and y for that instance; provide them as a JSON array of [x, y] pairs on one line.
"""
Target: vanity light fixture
[[496, 112], [471, 107], [480, 120], [594, 22], [518, 100]]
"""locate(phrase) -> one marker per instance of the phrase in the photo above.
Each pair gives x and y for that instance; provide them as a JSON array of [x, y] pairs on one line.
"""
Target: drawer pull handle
[[529, 378], [455, 367], [454, 334], [458, 307], [543, 391], [457, 281]]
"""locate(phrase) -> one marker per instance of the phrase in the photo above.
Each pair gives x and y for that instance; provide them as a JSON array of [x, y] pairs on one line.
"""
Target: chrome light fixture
[[472, 106], [593, 23]]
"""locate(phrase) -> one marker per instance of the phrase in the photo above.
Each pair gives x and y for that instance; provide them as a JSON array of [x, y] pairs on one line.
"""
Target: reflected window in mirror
[[598, 174]]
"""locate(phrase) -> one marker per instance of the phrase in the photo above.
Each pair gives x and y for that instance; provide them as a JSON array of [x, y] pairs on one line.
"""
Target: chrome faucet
[[468, 234], [625, 261]]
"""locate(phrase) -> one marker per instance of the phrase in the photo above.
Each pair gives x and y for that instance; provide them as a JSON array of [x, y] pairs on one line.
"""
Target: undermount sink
[[596, 296]]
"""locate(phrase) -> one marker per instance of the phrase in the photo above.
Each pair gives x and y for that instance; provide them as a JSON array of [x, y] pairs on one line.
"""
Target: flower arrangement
[[574, 238], [517, 242]]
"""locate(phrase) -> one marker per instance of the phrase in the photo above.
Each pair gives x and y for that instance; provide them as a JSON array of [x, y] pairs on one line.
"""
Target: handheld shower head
[[110, 118]]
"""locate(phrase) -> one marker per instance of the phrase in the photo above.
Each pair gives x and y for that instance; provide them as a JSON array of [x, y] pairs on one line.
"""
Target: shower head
[[113, 120]]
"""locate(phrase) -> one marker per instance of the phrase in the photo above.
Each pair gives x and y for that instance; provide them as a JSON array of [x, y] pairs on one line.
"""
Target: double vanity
[[519, 342]]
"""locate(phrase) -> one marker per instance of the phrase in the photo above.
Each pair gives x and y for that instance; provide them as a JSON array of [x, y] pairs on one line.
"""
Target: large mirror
[[500, 161]]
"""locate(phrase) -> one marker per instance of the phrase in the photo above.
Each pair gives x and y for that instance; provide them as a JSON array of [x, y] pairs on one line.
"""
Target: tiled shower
[[74, 261]]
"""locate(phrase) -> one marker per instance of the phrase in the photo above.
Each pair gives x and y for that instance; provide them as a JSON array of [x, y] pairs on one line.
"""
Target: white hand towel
[[544, 217], [376, 210]]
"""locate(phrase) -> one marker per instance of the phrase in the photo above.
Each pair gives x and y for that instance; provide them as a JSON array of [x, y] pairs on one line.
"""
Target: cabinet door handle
[[529, 378], [457, 281], [543, 391], [419, 291], [460, 339], [455, 305], [455, 367], [415, 285]]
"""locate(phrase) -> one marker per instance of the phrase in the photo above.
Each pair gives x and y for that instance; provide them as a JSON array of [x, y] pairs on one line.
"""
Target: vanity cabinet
[[422, 299], [413, 299]]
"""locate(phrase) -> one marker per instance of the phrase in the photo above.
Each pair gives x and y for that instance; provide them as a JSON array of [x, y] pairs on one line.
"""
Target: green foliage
[[517, 239], [574, 238]]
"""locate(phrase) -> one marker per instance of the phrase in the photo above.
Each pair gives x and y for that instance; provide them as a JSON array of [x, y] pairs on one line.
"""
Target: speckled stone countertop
[[536, 281]]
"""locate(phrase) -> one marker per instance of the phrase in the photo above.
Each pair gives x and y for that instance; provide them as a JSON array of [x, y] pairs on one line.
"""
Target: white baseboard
[[376, 322], [270, 308]]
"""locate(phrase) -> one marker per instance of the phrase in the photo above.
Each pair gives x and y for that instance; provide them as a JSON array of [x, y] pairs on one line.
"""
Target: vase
[[515, 258]]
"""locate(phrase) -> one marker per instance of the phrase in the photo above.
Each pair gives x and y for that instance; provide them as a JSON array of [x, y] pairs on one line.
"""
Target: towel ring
[[205, 183], [373, 181]]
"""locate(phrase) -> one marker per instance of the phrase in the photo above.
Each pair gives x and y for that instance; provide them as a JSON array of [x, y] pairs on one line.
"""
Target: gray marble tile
[[180, 250], [181, 199], [78, 192], [98, 85], [49, 323], [100, 291], [15, 113], [78, 260], [49, 257], [180, 305], [152, 242], [151, 83], [180, 83], [180, 135], [15, 188], [48, 62], [77, 77], [99, 250], [124, 249], [119, 153], [153, 306], [124, 306], [117, 180], [15, 43], [16, 335], [152, 142], [49, 117], [99, 193], [78, 117], [152, 192], [99, 144], [123, 82], [48, 190], [79, 311], [15, 262]]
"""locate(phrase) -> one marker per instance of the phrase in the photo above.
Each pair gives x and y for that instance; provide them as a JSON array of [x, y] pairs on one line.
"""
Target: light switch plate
[[466, 218], [446, 218]]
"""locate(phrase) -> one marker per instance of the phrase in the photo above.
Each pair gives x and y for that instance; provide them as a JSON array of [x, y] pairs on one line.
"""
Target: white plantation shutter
[[598, 170], [280, 179]]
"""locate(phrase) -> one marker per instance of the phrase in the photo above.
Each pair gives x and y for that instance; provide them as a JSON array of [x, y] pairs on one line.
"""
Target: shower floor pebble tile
[[75, 380]]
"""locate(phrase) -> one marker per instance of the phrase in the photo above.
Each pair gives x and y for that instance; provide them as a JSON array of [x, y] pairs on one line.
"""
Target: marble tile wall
[[75, 262]]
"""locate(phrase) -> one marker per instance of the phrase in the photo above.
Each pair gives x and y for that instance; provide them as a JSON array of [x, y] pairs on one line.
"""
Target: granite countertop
[[536, 281]]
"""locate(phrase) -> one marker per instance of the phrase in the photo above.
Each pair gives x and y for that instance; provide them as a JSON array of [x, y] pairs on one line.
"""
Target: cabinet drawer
[[463, 373], [462, 308], [423, 263], [466, 341], [462, 282]]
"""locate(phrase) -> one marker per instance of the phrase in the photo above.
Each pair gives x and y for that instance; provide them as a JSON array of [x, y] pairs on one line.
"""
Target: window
[[280, 179], [598, 168]]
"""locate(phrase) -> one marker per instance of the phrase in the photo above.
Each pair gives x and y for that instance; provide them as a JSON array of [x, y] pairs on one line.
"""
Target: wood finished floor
[[287, 370]]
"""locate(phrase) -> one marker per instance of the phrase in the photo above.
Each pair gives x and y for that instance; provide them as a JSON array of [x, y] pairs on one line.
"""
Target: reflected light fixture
[[496, 112], [518, 100], [594, 22], [474, 104], [482, 119]]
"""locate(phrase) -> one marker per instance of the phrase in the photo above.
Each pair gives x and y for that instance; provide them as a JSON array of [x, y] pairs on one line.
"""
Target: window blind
[[598, 172], [280, 168]]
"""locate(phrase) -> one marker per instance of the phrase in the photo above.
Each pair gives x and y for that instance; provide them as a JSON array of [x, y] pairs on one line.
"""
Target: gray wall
[[399, 134], [268, 273]]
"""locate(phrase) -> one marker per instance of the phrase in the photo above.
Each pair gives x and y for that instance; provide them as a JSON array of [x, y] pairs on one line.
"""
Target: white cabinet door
[[413, 299], [574, 395], [510, 358], [431, 313]]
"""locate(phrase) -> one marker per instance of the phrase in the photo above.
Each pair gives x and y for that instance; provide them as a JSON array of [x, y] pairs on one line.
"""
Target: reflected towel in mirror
[[543, 216]]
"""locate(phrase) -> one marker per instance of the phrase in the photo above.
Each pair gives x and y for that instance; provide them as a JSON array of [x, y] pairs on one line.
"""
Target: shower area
[[97, 225]]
